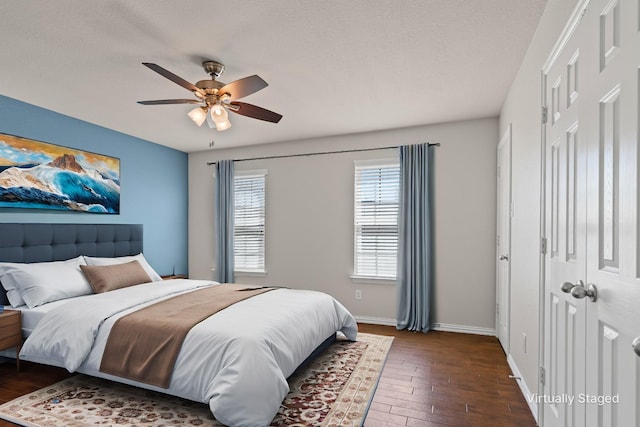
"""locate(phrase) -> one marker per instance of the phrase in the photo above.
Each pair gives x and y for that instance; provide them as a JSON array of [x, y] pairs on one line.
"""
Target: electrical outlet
[[358, 294]]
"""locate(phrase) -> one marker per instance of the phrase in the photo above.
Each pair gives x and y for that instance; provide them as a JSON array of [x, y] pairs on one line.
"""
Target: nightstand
[[11, 332], [174, 276]]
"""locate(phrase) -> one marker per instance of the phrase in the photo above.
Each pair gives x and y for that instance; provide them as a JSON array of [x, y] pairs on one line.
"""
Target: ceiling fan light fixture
[[220, 117], [223, 125], [218, 113], [198, 115]]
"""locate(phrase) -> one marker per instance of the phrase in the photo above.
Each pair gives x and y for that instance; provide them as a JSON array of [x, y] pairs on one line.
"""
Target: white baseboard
[[376, 320], [445, 327], [463, 329], [533, 406]]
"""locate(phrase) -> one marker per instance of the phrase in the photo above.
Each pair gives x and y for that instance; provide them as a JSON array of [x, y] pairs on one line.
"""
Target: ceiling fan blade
[[176, 79], [170, 101], [243, 87], [254, 112]]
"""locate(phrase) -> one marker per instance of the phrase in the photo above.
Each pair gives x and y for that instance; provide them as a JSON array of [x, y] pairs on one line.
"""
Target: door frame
[[505, 140], [543, 238]]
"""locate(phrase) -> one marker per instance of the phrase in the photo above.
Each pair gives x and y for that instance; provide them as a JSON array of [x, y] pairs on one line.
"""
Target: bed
[[237, 360]]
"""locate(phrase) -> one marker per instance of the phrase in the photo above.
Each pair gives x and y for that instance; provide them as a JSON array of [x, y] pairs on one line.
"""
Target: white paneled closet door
[[565, 222], [613, 319], [588, 342]]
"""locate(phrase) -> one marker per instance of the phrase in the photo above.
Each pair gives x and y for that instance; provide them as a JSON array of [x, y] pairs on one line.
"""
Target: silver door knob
[[636, 345], [567, 287], [504, 258], [581, 292]]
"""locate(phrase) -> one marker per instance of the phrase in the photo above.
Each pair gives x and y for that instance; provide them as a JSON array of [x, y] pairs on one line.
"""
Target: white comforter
[[237, 360]]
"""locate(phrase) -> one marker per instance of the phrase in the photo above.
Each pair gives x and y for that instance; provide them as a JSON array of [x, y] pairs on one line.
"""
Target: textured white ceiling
[[333, 67]]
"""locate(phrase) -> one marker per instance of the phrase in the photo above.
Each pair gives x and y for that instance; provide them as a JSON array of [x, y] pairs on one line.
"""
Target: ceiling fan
[[214, 98]]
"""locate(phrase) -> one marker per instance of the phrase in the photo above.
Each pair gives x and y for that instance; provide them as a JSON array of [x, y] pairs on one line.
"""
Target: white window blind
[[249, 217], [376, 219]]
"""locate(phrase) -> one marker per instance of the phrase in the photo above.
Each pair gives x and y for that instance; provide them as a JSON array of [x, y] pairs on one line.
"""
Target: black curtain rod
[[437, 144]]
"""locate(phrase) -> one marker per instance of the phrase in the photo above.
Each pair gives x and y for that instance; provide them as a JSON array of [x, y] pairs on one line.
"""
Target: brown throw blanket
[[144, 345]]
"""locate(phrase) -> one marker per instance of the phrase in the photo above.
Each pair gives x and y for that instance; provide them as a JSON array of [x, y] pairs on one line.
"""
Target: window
[[249, 218], [376, 219]]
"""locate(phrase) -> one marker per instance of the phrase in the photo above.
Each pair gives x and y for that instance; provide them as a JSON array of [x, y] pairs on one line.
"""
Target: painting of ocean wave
[[39, 175]]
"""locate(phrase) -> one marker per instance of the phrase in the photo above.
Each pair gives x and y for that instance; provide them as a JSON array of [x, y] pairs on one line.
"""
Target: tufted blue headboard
[[57, 242]]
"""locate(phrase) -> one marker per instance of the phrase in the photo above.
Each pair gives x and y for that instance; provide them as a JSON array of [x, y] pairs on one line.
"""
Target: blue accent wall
[[154, 181]]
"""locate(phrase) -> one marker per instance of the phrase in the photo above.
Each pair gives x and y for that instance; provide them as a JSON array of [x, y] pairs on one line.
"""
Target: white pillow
[[14, 298], [7, 283], [121, 260], [42, 282]]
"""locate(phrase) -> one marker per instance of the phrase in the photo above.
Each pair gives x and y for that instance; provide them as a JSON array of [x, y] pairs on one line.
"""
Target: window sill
[[247, 273], [250, 273], [375, 280]]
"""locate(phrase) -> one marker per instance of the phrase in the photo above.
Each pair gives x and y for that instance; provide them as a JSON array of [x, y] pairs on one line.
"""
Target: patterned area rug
[[333, 390]]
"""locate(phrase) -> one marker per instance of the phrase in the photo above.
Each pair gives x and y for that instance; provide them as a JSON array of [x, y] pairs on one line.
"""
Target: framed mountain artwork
[[38, 175]]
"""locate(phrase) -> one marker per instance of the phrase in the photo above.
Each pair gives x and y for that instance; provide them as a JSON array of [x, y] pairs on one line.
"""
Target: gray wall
[[309, 229]]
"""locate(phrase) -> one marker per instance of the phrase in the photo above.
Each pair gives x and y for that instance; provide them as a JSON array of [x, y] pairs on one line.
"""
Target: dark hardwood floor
[[445, 379], [434, 379]]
